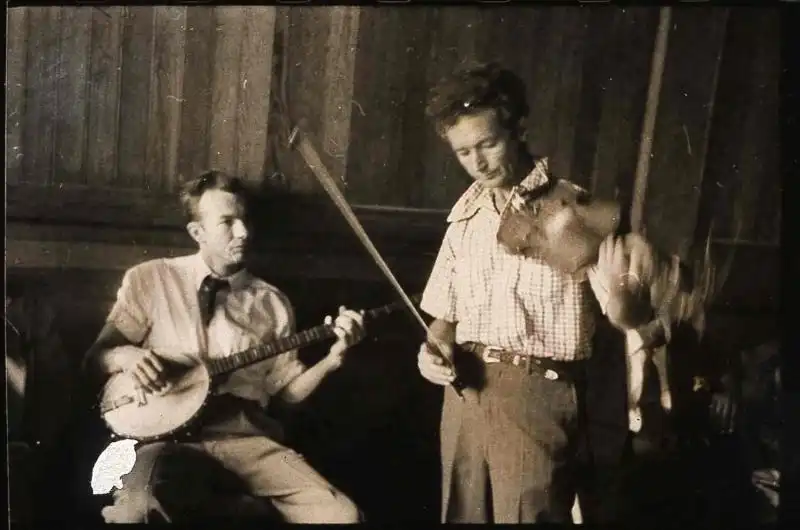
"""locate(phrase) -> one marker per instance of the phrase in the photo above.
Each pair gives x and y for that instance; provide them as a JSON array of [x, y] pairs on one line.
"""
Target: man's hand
[[644, 260], [433, 362], [767, 481], [147, 369], [628, 305], [349, 330]]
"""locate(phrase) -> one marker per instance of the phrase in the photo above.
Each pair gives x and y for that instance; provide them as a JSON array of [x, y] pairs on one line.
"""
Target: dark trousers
[[509, 449]]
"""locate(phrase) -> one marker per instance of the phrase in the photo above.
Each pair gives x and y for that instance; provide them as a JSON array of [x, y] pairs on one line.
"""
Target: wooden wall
[[110, 108]]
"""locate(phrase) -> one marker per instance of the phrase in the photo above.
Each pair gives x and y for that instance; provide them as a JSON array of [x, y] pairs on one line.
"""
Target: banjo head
[[130, 412]]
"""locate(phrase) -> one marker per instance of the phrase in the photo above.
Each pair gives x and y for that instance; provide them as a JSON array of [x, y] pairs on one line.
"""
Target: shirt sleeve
[[439, 296], [287, 366], [131, 311]]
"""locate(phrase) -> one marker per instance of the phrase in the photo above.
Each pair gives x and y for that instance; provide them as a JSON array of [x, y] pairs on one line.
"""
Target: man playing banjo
[[207, 306]]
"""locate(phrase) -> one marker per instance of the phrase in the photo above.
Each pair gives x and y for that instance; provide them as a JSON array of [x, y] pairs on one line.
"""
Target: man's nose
[[480, 162], [240, 230]]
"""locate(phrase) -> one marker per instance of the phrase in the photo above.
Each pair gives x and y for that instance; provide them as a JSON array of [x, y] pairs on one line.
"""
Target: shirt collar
[[477, 197], [200, 270]]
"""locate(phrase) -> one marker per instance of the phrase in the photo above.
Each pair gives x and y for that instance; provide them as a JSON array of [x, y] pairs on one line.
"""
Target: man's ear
[[195, 230]]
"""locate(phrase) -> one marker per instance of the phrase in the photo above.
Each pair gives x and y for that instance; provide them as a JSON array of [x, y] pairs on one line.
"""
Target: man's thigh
[[272, 470], [531, 453]]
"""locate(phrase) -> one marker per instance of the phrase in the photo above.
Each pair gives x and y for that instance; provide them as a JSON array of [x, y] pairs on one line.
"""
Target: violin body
[[562, 225]]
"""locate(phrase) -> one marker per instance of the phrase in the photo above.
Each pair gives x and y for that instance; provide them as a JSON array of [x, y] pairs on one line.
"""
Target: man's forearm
[[304, 384], [103, 362]]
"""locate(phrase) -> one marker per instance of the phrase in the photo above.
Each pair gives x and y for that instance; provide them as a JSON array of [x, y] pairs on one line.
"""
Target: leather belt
[[572, 371]]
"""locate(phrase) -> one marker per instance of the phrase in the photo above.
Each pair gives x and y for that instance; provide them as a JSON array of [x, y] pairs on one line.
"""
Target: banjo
[[131, 412]]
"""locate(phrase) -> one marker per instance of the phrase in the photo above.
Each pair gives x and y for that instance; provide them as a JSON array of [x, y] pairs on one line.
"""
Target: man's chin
[[236, 257], [492, 182]]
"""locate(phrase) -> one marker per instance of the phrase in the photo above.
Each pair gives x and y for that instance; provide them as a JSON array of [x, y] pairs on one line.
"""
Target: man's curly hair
[[213, 179], [476, 88]]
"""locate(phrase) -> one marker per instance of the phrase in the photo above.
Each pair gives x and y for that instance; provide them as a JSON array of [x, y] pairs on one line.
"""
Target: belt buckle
[[487, 354]]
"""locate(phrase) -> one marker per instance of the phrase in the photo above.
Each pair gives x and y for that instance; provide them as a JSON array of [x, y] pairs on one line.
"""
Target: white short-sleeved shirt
[[157, 308]]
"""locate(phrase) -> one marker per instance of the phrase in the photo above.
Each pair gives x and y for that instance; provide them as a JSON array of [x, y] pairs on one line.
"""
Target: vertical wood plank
[[223, 148], [72, 87], [569, 81], [758, 162], [16, 52], [306, 33], [458, 37], [197, 87], [137, 59], [742, 182], [418, 134], [254, 85], [380, 94], [41, 95], [628, 45], [682, 126], [545, 64], [338, 96], [104, 93], [595, 69], [166, 93]]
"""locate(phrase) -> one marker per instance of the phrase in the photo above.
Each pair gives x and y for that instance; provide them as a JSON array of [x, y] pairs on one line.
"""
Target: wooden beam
[[22, 254], [650, 113], [131, 209]]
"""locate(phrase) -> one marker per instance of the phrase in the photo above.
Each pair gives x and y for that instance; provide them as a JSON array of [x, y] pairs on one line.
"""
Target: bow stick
[[312, 159]]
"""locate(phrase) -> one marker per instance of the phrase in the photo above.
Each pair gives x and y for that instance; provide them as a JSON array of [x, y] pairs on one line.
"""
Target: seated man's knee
[[343, 510], [329, 507]]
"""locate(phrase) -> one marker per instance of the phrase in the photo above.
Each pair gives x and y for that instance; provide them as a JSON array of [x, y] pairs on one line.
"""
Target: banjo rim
[[165, 434]]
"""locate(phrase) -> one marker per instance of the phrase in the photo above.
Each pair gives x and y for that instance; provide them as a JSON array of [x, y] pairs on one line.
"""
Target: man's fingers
[[144, 381], [153, 362], [147, 371], [441, 375]]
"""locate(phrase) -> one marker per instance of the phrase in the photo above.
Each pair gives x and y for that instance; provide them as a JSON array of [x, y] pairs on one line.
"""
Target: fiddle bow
[[299, 141]]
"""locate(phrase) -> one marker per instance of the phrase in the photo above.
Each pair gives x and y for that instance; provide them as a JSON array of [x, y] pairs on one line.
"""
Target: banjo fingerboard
[[298, 340]]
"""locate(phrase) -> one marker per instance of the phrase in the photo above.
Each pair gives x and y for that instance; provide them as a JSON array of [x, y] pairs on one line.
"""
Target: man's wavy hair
[[476, 88], [213, 179]]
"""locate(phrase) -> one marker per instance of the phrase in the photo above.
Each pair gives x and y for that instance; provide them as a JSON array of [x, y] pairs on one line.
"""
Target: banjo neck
[[302, 339]]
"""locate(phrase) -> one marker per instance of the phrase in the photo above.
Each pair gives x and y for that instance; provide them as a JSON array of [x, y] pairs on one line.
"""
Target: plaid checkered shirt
[[498, 299]]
